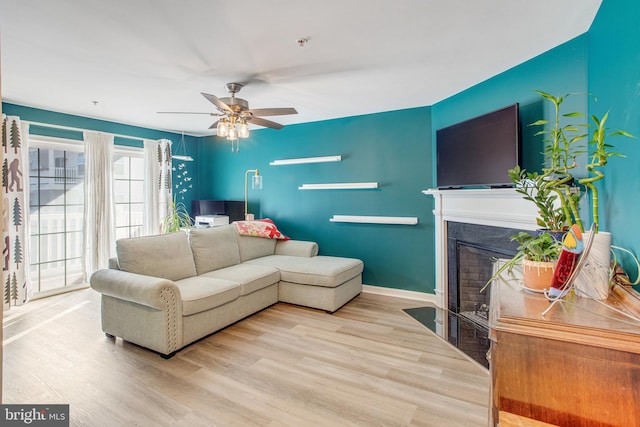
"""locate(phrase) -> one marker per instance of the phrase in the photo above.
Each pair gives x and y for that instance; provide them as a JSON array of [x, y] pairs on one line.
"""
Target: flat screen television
[[479, 152]]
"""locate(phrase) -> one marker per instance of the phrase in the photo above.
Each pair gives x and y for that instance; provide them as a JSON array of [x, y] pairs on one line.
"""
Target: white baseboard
[[400, 293]]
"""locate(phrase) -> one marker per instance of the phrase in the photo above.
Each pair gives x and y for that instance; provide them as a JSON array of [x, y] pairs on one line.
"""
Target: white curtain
[[15, 212], [99, 218], [158, 187]]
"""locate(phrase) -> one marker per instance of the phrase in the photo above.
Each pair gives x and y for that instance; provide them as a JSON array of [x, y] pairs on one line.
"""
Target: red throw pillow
[[260, 228]]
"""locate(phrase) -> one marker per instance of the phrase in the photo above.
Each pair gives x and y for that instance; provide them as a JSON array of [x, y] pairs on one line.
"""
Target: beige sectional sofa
[[164, 292]]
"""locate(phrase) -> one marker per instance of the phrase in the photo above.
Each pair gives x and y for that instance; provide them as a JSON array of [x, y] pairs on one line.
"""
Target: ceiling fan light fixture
[[235, 114], [223, 128], [243, 130], [233, 133]]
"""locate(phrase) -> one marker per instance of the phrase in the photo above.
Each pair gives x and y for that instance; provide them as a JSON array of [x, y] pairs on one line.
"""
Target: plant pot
[[593, 279], [537, 275]]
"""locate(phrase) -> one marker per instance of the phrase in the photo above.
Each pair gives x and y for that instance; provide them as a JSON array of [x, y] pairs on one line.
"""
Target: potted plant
[[538, 255], [562, 150], [536, 188], [178, 218]]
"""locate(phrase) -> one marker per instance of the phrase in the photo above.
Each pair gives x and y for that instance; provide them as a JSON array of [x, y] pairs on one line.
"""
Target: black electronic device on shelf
[[234, 209]]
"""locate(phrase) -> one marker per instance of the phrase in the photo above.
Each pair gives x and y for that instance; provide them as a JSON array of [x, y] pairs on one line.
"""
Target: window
[[128, 174], [56, 210]]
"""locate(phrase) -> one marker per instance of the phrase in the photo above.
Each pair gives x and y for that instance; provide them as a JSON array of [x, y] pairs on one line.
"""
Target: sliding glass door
[[56, 210]]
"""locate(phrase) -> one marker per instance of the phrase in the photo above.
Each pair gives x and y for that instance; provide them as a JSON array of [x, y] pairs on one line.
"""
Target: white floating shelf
[[299, 161], [400, 220], [339, 186]]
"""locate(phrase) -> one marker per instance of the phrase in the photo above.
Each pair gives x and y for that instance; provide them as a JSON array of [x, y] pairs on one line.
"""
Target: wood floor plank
[[369, 364]]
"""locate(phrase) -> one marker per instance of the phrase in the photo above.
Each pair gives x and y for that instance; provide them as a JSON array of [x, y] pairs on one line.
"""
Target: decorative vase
[[537, 275], [593, 279]]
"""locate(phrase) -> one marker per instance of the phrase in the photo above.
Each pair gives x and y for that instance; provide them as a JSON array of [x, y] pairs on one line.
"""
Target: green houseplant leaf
[[177, 219]]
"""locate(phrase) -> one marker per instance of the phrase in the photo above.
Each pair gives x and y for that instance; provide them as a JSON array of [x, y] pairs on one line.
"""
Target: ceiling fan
[[235, 115]]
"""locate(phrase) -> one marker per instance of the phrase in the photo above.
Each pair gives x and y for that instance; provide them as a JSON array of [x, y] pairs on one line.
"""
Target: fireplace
[[472, 227], [495, 208]]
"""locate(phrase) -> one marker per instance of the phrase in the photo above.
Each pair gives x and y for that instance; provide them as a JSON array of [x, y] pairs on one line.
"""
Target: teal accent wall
[[393, 149], [135, 134], [614, 78]]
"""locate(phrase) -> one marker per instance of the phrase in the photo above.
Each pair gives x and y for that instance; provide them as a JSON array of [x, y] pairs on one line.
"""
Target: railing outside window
[[56, 211], [66, 175]]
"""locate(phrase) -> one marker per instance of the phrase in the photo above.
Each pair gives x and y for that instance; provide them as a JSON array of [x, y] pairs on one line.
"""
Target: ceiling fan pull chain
[[235, 146]]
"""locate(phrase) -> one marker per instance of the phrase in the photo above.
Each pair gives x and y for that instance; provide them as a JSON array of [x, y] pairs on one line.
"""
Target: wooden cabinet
[[579, 365]]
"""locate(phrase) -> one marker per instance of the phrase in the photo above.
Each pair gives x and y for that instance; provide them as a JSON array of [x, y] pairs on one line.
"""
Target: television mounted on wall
[[478, 152]]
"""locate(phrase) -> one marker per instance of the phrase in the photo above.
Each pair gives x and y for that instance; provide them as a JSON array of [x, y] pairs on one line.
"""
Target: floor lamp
[[256, 183]]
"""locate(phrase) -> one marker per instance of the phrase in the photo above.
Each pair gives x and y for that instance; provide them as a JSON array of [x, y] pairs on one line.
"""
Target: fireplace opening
[[475, 267], [471, 250]]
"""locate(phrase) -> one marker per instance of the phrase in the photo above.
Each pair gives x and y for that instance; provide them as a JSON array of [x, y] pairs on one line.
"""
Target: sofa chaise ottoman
[[164, 292]]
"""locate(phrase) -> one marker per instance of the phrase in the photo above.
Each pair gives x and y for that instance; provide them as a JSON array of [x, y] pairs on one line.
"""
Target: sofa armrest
[[296, 248], [146, 290]]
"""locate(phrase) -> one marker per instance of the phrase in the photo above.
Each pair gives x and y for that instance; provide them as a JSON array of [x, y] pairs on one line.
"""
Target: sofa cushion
[[251, 277], [166, 255], [214, 248], [325, 271], [204, 293], [255, 247]]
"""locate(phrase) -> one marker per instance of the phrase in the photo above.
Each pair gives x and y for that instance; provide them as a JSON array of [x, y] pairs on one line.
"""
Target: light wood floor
[[369, 364]]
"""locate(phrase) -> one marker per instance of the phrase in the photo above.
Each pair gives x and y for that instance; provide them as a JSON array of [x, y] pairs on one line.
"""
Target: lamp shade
[[233, 133], [256, 182], [243, 130], [223, 128]]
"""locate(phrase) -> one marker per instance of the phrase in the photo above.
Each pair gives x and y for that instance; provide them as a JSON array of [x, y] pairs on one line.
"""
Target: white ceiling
[[138, 57]]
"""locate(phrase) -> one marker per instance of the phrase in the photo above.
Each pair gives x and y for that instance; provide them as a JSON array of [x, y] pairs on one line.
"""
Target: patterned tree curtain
[[15, 212], [158, 184]]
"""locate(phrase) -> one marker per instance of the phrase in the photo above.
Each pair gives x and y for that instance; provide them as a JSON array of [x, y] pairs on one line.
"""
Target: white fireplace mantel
[[500, 207]]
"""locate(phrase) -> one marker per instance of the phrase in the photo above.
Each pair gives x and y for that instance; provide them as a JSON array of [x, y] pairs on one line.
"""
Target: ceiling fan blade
[[215, 125], [264, 122], [217, 102], [273, 111], [185, 112]]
